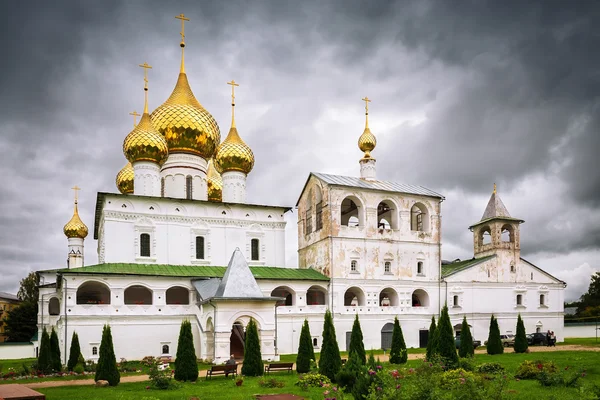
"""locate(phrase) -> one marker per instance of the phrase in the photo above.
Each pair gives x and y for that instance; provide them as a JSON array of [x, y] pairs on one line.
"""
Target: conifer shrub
[[330, 361], [466, 340], [431, 345], [186, 365], [253, 364], [74, 353], [306, 352], [521, 344], [445, 337], [398, 352], [55, 352], [45, 355], [494, 343], [371, 363], [107, 369], [350, 372], [356, 342]]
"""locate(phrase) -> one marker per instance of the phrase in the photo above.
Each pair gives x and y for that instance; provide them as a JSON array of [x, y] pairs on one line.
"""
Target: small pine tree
[[330, 361], [55, 352], [431, 345], [45, 355], [445, 337], [356, 342], [306, 352], [466, 340], [398, 353], [253, 364], [521, 344], [107, 369], [74, 352], [494, 343], [186, 364], [350, 372], [371, 363]]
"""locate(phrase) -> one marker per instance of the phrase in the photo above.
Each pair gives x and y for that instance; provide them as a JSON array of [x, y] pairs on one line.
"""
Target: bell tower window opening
[[419, 218], [319, 216], [485, 237], [387, 267], [507, 234], [145, 245], [308, 219], [199, 247], [188, 187], [254, 249], [351, 212]]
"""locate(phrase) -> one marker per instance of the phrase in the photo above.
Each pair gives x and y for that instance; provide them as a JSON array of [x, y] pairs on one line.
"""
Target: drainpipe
[[440, 260], [214, 330], [65, 308], [276, 328], [330, 254]]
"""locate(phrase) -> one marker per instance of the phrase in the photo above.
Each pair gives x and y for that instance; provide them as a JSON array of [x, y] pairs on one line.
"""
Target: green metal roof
[[195, 271], [452, 268]]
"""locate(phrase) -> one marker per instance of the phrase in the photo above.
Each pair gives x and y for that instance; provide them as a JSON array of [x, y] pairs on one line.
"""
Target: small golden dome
[[144, 143], [367, 142], [75, 228], [234, 155], [125, 179], [215, 183]]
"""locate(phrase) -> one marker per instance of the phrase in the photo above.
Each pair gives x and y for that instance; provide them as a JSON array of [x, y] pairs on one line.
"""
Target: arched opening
[[316, 296], [419, 218], [285, 292], [178, 295], [318, 208], [420, 270], [354, 297], [54, 306], [165, 349], [189, 189], [237, 340], [386, 336], [485, 236], [144, 245], [387, 215], [138, 295], [351, 212], [93, 293], [507, 234], [420, 298], [388, 297]]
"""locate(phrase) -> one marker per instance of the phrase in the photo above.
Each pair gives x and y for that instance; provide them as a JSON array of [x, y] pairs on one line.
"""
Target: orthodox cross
[[146, 68], [76, 189], [367, 101], [494, 188], [182, 33], [233, 85], [135, 115]]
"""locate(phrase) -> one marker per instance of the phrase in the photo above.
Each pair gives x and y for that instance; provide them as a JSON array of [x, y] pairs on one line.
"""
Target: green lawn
[[592, 342]]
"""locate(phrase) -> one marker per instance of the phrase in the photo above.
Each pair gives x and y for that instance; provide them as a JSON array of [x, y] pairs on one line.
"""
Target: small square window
[[165, 349], [94, 351]]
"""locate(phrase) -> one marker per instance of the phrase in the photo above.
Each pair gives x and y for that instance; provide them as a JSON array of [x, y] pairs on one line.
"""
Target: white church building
[[181, 242]]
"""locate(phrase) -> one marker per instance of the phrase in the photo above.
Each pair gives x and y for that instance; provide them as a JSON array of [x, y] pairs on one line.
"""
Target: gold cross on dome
[[494, 188], [146, 68], [135, 115], [233, 85], [76, 189], [182, 33], [367, 101]]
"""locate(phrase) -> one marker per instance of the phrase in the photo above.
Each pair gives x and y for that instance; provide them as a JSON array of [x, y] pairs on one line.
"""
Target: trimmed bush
[[312, 380], [55, 352], [466, 340], [490, 368], [445, 337], [330, 361], [494, 343], [253, 364], [431, 345], [356, 342], [45, 355], [186, 365], [306, 352], [107, 369], [398, 352], [350, 372], [74, 352], [521, 344]]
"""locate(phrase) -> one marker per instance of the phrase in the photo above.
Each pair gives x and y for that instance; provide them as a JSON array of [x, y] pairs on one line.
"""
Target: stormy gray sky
[[465, 94]]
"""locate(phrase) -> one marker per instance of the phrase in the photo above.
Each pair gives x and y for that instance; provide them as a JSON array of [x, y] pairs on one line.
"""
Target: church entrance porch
[[237, 341]]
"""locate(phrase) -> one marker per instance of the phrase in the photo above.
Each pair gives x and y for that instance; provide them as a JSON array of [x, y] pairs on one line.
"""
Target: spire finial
[[146, 68], [494, 188], [135, 115], [233, 85], [183, 18], [367, 101], [76, 189]]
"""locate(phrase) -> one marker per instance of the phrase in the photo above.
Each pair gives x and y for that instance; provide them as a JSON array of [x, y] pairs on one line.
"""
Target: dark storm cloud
[[465, 94]]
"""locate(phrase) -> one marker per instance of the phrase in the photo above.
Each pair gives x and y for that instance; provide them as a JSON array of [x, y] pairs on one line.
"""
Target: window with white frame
[[199, 247], [165, 349], [519, 300], [94, 350], [354, 266], [255, 249], [542, 300], [145, 245], [387, 267], [455, 302], [512, 268]]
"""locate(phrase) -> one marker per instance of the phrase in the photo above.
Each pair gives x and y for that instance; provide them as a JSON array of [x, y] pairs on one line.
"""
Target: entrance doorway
[[386, 336], [423, 338], [237, 340]]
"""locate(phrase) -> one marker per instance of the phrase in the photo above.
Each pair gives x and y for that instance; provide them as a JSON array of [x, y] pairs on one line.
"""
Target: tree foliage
[[521, 344], [107, 369], [466, 340], [398, 352], [74, 352], [21, 323], [45, 354], [494, 343], [431, 342], [589, 303], [356, 342], [330, 361], [55, 351], [186, 364], [306, 352], [253, 364], [445, 337], [28, 291]]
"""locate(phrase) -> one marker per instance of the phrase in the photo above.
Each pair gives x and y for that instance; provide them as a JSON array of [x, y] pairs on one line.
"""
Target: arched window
[[94, 351], [519, 299], [162, 187], [315, 342], [420, 268], [351, 212], [387, 216], [387, 267], [285, 292], [188, 187], [512, 268], [353, 266], [145, 245], [507, 235], [178, 295], [93, 293], [419, 218], [308, 221], [53, 306], [388, 297], [199, 247], [165, 349], [420, 298], [254, 249], [316, 296], [138, 295], [485, 236], [354, 297]]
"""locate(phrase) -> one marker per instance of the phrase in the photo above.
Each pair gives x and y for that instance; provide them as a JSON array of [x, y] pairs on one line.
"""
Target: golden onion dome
[[215, 183], [234, 155], [124, 179], [144, 143], [367, 141], [75, 228]]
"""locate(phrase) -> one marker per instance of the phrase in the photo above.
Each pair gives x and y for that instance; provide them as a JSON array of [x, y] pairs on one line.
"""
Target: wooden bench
[[279, 367], [222, 370]]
